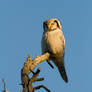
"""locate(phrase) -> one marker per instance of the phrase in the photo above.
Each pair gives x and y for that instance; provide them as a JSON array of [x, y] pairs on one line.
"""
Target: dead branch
[[29, 65], [41, 86], [4, 86]]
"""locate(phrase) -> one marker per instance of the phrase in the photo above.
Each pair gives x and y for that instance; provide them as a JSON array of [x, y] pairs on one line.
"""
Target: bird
[[53, 42]]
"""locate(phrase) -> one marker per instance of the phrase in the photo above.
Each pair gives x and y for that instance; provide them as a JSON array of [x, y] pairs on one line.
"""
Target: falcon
[[53, 41]]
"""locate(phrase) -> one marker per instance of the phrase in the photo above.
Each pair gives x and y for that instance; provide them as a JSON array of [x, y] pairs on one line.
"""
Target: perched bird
[[53, 41]]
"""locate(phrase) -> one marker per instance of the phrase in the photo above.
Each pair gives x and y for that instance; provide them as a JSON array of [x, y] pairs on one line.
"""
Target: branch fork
[[28, 68]]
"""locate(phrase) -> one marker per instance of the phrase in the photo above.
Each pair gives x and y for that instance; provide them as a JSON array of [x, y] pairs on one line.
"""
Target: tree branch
[[29, 65], [4, 86]]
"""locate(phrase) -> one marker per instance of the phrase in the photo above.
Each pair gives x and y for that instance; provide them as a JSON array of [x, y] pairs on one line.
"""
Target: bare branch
[[42, 86], [4, 86], [29, 65]]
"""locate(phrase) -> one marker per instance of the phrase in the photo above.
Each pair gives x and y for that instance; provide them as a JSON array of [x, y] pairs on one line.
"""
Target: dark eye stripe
[[57, 23], [45, 25]]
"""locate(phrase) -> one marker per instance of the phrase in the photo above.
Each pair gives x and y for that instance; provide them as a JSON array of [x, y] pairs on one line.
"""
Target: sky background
[[21, 28]]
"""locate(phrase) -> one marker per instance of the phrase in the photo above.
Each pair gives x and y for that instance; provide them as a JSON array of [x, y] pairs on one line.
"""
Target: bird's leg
[[48, 61]]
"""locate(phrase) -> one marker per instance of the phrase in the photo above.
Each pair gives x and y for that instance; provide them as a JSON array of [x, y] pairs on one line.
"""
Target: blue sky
[[20, 34]]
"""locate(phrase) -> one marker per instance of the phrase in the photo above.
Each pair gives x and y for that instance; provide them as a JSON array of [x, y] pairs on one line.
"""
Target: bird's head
[[51, 25]]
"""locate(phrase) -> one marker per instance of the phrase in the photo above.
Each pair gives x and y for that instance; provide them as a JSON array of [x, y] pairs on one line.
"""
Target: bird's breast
[[55, 44]]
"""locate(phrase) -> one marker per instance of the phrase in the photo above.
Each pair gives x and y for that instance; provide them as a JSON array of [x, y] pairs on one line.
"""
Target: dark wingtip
[[63, 73], [66, 80]]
